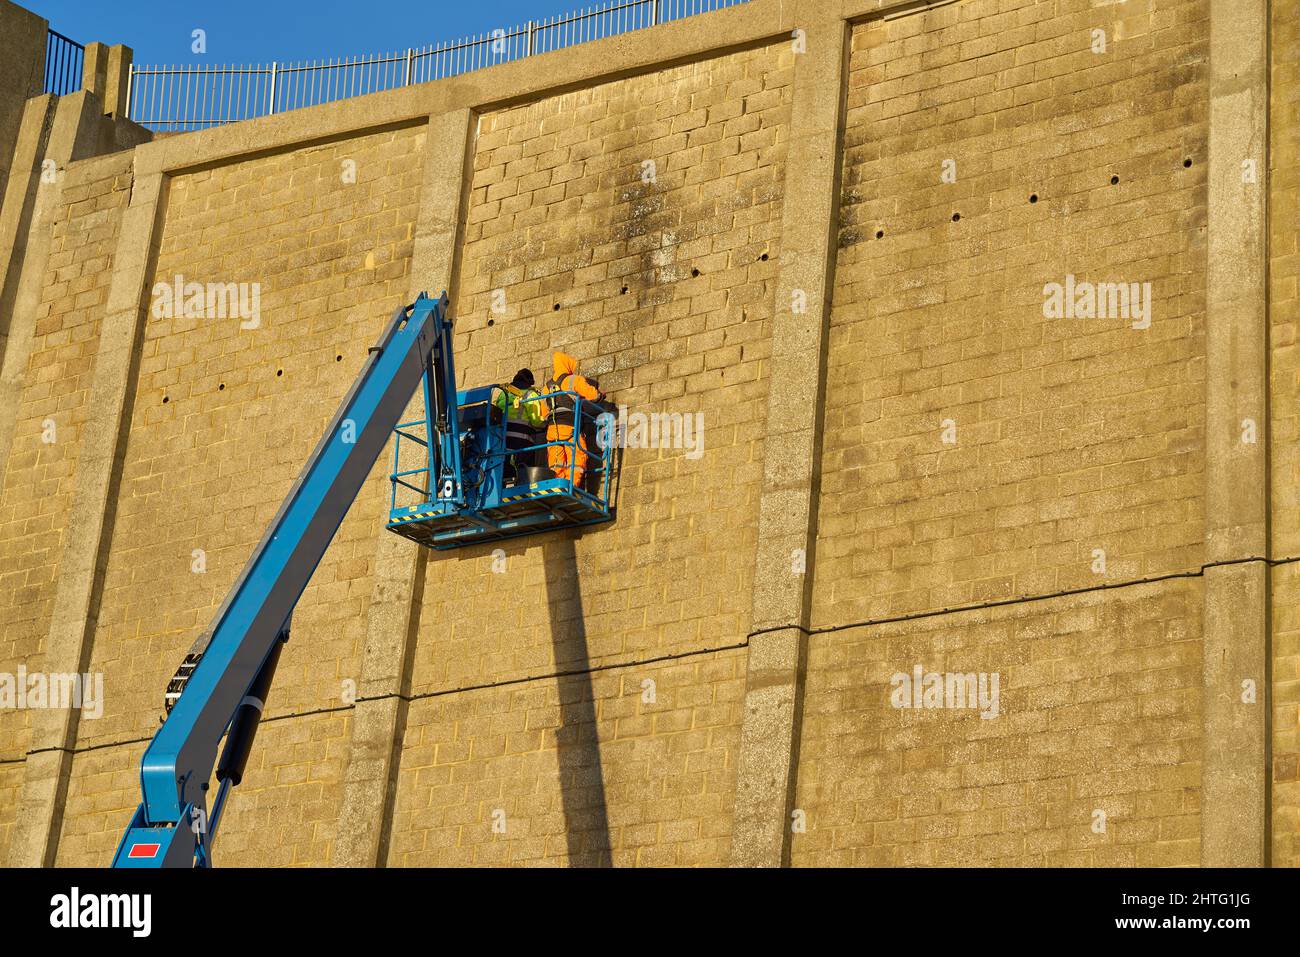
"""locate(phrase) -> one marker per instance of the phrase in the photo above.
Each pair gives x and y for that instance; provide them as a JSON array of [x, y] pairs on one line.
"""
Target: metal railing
[[600, 455], [196, 97], [63, 60]]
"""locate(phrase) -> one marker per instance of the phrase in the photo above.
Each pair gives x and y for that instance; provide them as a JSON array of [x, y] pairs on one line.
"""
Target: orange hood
[[563, 364]]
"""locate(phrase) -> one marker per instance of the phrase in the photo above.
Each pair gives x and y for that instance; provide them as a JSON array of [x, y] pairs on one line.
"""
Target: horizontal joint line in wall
[[1024, 599]]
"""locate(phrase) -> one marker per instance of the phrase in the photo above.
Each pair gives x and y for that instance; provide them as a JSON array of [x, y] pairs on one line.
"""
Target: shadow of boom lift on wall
[[582, 783]]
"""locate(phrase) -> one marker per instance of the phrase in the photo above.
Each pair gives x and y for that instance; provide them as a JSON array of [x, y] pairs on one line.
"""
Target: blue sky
[[258, 31]]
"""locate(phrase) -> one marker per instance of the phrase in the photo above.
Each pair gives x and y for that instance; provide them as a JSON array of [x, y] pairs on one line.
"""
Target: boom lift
[[220, 688]]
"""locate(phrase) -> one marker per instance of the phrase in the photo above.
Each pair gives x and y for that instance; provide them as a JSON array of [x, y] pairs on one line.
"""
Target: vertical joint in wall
[[769, 746], [1235, 678], [374, 751]]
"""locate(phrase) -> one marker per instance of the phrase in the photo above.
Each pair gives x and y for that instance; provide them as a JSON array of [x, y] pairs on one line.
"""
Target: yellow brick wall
[[11, 784], [583, 770], [1071, 434], [577, 227], [560, 215], [1099, 699], [1284, 321], [286, 811], [208, 468], [1286, 716], [38, 480]]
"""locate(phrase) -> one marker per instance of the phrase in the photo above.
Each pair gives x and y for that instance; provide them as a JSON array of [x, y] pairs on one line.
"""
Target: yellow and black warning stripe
[[509, 498], [545, 491]]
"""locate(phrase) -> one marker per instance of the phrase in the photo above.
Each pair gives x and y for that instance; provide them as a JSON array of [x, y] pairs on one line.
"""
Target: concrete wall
[[663, 286], [812, 222], [22, 51], [1071, 435]]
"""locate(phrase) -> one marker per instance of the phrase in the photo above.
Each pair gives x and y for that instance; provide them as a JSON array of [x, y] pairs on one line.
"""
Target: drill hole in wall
[[556, 307], [491, 322], [956, 217], [880, 234], [1114, 181], [279, 372], [695, 272], [1033, 197], [166, 400], [1187, 163], [763, 257], [338, 358], [221, 387], [623, 291]]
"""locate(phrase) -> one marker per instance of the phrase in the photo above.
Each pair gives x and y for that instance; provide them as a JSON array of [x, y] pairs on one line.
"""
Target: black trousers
[[519, 435]]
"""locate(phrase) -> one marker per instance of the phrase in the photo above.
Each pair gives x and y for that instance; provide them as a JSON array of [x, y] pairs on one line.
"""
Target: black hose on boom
[[239, 739]]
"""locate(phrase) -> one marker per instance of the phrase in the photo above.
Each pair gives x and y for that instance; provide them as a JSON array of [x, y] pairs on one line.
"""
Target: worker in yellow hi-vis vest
[[525, 412], [519, 400]]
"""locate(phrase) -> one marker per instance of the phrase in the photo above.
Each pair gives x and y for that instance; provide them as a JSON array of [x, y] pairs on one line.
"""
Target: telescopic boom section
[[227, 673]]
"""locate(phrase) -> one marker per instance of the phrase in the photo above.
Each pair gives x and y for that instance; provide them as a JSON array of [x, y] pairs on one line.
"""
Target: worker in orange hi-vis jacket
[[562, 458]]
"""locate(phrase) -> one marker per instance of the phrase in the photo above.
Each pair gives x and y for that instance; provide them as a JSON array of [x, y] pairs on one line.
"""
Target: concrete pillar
[[787, 524], [22, 74], [54, 731], [94, 68], [18, 204], [369, 783], [56, 131], [117, 80], [104, 72], [1234, 781]]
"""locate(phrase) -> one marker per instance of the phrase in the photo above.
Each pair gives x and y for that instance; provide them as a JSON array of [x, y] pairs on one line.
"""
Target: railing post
[[130, 88], [654, 12], [407, 80], [530, 38], [273, 65]]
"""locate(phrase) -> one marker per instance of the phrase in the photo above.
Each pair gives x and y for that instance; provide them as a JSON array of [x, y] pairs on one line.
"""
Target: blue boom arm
[[221, 688]]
